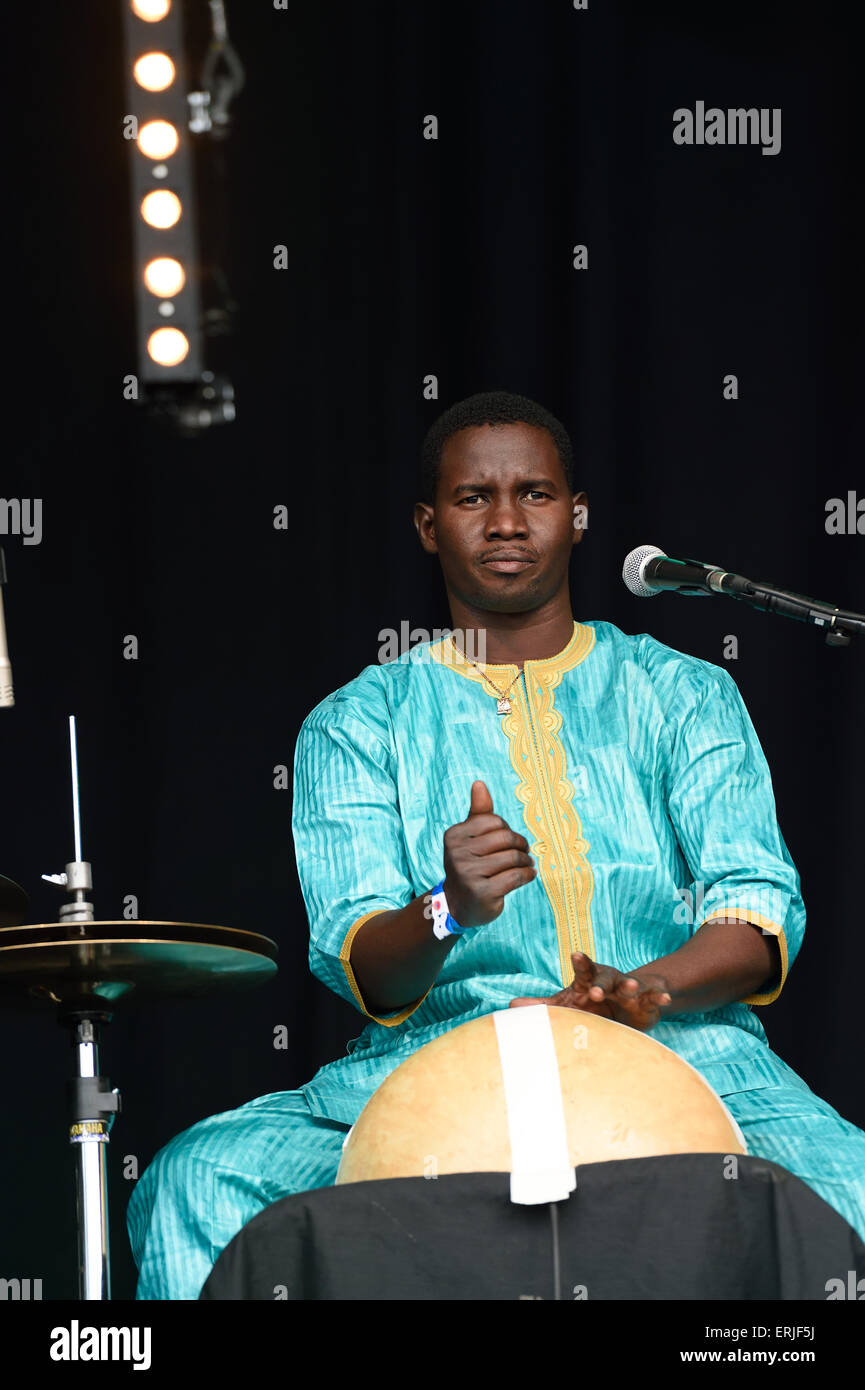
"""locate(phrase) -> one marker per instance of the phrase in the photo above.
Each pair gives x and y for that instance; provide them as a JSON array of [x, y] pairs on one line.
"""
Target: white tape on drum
[[541, 1170]]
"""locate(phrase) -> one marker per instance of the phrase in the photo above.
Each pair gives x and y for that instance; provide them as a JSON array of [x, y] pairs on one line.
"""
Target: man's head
[[497, 479], [489, 408]]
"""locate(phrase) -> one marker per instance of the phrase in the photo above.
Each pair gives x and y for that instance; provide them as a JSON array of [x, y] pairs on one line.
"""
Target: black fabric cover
[[668, 1227]]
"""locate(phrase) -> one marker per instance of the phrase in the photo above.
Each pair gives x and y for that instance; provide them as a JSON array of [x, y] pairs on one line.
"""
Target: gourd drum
[[624, 1095]]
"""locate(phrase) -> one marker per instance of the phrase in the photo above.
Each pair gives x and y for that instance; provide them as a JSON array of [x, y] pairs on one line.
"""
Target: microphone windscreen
[[632, 571]]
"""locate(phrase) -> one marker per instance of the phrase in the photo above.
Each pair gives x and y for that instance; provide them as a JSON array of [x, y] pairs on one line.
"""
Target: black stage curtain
[[408, 258]]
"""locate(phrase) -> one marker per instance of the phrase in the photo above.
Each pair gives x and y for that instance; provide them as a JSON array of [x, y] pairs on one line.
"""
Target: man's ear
[[424, 521], [580, 502]]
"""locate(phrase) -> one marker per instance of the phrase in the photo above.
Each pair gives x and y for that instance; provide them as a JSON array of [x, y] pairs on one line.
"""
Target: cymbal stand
[[93, 1103]]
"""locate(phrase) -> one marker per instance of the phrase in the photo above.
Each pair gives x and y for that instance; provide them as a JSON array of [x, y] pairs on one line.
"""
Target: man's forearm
[[725, 960], [395, 957]]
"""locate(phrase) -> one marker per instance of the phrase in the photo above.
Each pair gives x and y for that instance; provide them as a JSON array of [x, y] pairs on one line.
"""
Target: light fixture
[[154, 72], [168, 347], [164, 276], [161, 209], [150, 10], [158, 139]]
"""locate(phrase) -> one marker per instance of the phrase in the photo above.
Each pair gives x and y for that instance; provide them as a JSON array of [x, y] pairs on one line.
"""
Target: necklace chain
[[502, 694]]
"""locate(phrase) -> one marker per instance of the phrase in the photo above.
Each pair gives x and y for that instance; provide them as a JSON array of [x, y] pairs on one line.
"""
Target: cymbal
[[110, 964], [14, 902]]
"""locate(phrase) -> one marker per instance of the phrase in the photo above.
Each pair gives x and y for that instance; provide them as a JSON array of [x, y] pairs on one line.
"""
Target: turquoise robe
[[636, 776]]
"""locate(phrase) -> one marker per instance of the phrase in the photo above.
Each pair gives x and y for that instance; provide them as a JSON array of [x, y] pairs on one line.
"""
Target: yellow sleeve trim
[[767, 925], [389, 1021]]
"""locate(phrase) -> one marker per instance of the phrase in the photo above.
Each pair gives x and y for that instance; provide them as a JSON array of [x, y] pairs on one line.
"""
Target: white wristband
[[443, 924]]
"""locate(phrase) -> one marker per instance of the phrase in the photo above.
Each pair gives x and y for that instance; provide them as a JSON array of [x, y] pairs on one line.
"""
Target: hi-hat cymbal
[[114, 963], [14, 902]]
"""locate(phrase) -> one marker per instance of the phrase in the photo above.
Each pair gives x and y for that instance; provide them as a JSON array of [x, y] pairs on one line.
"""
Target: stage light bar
[[166, 250]]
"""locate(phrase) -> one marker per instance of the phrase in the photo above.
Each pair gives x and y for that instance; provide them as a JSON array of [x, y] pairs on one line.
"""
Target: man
[[568, 793]]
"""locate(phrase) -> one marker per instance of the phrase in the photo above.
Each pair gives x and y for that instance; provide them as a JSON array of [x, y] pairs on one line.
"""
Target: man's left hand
[[635, 1000]]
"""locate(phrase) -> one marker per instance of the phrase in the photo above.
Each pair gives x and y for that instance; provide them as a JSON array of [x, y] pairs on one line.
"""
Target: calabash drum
[[454, 1105]]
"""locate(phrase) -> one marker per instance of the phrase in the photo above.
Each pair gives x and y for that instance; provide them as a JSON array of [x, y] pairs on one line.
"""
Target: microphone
[[648, 571], [7, 696]]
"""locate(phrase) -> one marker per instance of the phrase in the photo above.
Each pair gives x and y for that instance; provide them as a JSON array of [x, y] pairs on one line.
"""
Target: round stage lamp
[[158, 139], [161, 209], [164, 276], [154, 72], [168, 346], [151, 10]]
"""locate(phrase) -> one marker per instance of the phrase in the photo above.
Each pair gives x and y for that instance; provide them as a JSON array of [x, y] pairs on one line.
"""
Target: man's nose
[[505, 518]]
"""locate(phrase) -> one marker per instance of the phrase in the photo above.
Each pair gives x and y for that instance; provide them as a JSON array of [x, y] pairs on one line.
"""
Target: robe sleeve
[[722, 807], [348, 839]]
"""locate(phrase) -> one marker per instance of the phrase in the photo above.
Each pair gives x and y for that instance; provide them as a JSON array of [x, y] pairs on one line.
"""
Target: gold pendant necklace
[[503, 704]]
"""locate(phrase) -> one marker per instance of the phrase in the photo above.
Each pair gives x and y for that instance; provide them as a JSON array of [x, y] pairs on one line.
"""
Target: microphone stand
[[841, 625]]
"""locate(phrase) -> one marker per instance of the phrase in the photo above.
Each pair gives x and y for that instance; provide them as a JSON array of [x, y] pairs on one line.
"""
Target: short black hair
[[489, 408]]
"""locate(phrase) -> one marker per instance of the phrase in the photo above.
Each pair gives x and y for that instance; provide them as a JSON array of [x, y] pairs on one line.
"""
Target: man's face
[[503, 520]]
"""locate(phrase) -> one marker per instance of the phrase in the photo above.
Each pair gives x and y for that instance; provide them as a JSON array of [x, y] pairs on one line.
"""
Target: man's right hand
[[484, 860]]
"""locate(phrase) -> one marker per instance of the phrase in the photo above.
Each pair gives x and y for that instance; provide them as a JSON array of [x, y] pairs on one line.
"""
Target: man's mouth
[[508, 561]]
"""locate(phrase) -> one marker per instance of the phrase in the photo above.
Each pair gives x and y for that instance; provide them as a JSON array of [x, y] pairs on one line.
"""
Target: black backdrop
[[407, 257]]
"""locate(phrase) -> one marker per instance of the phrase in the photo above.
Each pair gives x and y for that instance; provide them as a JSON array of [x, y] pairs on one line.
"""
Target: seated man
[[597, 813]]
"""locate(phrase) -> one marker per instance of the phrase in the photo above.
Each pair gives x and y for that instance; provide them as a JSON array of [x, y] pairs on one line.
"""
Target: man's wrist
[[444, 923]]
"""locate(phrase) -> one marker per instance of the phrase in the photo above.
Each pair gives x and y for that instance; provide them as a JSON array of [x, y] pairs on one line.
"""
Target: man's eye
[[535, 492], [472, 497]]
